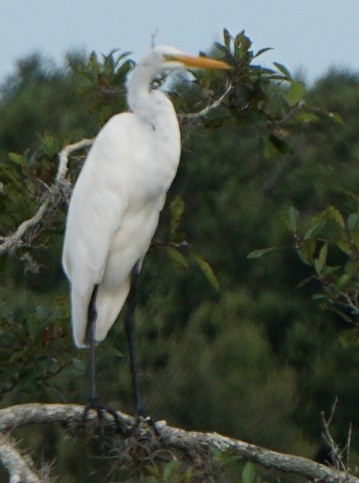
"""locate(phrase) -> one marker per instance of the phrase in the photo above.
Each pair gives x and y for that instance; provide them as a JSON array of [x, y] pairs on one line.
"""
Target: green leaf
[[334, 116], [314, 229], [260, 252], [344, 245], [248, 473], [283, 70], [306, 250], [177, 258], [295, 93], [207, 270], [227, 38], [241, 40], [319, 262], [50, 145], [17, 158], [343, 281], [335, 214], [305, 117], [170, 469], [261, 51], [221, 47], [293, 218]]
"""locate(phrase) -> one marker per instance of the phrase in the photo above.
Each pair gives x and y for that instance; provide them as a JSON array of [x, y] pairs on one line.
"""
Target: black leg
[[129, 327], [90, 336], [93, 401]]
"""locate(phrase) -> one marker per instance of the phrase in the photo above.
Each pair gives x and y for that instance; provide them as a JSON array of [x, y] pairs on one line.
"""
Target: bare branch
[[9, 243], [198, 116], [64, 156], [180, 439], [56, 194], [336, 453], [16, 465]]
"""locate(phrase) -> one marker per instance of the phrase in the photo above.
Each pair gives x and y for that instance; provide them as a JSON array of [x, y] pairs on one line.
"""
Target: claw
[[141, 420], [100, 409]]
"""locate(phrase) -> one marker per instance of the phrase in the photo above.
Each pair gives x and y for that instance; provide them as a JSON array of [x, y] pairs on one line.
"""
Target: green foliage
[[102, 82], [32, 356], [227, 343], [329, 244], [171, 473]]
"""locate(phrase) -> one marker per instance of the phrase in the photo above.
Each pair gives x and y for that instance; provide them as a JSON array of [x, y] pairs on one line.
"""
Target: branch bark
[[55, 195], [197, 117], [178, 438], [18, 469]]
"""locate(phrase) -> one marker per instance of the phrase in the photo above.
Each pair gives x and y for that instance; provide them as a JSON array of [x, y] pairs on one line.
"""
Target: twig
[[64, 156], [197, 116], [18, 469], [11, 242], [181, 439], [153, 38], [336, 453], [348, 445], [57, 192]]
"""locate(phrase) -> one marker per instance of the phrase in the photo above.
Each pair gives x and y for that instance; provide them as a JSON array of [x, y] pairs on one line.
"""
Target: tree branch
[[336, 453], [180, 439], [18, 469], [64, 157], [55, 195], [198, 116]]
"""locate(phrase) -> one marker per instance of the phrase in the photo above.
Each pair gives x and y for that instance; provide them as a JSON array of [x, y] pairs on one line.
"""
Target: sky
[[309, 36]]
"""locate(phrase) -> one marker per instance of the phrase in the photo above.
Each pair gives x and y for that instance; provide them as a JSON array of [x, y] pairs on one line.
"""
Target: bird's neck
[[152, 106]]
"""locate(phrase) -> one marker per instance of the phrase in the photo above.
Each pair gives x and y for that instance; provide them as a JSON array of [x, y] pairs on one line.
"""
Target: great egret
[[117, 200]]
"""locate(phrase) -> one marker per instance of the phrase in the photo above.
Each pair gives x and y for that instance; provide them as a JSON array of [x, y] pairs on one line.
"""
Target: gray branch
[[180, 439], [54, 196], [199, 116], [18, 468]]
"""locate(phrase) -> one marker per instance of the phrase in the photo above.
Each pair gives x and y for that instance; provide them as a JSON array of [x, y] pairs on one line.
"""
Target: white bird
[[120, 192]]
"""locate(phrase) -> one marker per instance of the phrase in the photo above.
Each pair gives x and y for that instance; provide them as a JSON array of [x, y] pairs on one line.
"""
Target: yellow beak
[[201, 62]]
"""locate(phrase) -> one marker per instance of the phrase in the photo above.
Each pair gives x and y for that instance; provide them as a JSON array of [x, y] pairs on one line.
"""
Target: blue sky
[[310, 35]]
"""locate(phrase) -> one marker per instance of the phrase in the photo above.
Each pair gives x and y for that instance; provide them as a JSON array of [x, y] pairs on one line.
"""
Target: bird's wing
[[97, 208]]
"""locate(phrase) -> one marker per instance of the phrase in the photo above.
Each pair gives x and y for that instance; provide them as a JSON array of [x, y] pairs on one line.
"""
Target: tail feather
[[108, 303]]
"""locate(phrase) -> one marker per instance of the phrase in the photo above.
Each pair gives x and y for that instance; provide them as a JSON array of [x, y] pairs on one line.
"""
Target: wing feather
[[98, 206]]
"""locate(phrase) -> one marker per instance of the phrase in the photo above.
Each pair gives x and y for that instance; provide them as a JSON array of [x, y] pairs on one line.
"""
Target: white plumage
[[119, 194]]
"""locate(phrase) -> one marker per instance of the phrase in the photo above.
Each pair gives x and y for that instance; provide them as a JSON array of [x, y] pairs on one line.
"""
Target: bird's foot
[[100, 410], [140, 421]]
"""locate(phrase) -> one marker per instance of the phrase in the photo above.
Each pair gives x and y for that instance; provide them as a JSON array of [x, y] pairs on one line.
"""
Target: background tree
[[226, 343]]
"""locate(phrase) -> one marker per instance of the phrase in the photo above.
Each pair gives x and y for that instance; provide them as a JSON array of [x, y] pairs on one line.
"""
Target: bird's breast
[[155, 165]]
